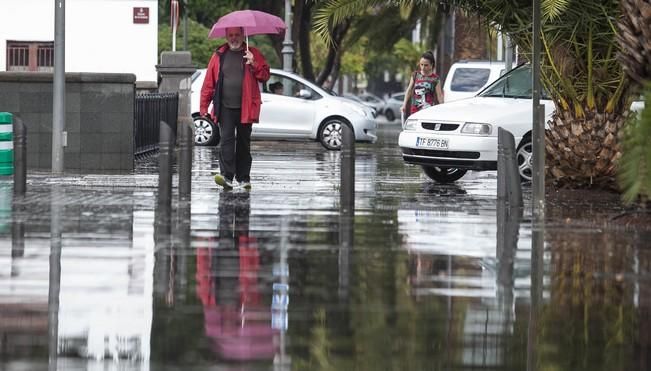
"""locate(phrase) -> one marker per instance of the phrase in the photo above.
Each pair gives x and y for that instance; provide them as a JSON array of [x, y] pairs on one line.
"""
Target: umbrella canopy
[[254, 22]]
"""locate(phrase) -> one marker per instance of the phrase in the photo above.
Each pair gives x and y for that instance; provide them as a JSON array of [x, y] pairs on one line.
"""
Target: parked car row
[[301, 111], [446, 140]]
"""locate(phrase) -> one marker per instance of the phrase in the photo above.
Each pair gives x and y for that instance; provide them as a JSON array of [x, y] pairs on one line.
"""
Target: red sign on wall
[[141, 15]]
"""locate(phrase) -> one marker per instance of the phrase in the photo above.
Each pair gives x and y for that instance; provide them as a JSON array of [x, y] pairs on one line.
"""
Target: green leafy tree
[[199, 44]]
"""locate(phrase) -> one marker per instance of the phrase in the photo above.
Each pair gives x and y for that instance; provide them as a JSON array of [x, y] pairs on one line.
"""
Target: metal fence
[[150, 110]]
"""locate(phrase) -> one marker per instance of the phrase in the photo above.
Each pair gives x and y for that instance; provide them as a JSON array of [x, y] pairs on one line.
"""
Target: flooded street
[[421, 277]]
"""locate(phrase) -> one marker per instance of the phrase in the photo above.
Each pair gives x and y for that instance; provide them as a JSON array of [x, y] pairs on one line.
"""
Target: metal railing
[[150, 110]]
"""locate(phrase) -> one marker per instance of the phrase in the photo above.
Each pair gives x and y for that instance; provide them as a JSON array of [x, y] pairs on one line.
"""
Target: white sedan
[[449, 139], [301, 110]]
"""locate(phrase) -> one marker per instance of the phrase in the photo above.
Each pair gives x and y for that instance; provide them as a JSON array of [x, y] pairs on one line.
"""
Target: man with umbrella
[[232, 85]]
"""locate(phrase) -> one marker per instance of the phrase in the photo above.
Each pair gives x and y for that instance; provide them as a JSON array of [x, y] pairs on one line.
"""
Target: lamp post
[[538, 112], [288, 45], [59, 87]]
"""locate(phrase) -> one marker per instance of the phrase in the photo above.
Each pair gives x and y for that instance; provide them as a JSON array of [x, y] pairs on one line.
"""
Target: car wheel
[[206, 133], [389, 115], [444, 174], [330, 134], [524, 157]]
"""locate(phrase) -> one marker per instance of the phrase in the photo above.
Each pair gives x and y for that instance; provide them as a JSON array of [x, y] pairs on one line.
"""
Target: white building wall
[[100, 34]]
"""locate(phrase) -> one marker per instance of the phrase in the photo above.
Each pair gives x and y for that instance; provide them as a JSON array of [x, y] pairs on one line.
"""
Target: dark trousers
[[235, 146]]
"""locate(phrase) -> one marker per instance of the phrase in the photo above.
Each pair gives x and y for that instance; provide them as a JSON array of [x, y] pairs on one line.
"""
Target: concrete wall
[[99, 119], [100, 34]]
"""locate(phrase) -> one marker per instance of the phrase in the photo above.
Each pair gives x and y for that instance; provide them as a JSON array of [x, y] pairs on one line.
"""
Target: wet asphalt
[[423, 276]]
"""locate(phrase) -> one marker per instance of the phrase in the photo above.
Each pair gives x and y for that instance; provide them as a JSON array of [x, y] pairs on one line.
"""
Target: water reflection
[[426, 280], [596, 317], [236, 318]]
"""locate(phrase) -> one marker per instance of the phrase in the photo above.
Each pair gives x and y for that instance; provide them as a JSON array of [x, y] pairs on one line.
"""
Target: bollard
[[6, 144], [176, 70], [347, 186], [20, 157], [508, 177], [185, 157], [347, 209], [501, 166], [165, 155]]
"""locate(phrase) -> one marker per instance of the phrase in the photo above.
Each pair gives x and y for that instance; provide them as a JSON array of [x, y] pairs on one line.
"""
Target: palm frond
[[334, 12], [553, 9]]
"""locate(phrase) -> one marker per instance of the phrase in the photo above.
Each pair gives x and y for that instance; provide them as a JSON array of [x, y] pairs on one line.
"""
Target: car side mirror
[[305, 94]]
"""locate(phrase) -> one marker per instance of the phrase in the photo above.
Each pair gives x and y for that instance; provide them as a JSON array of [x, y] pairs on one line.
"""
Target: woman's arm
[[439, 93], [408, 92]]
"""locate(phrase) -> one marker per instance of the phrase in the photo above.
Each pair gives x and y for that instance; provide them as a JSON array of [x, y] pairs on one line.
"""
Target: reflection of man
[[236, 319], [231, 84], [276, 87]]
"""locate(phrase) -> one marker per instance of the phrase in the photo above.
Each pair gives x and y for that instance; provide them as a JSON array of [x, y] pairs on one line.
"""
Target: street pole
[[538, 124], [508, 54], [59, 86], [185, 24], [288, 45], [174, 21]]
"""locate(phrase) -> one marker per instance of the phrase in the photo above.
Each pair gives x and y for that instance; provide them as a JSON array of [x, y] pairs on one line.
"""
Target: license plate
[[439, 143]]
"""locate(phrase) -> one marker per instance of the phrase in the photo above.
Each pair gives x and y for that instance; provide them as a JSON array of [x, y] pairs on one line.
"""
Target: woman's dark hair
[[430, 57]]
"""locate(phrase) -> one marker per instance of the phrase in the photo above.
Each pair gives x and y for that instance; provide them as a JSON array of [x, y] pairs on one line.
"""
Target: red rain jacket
[[253, 74]]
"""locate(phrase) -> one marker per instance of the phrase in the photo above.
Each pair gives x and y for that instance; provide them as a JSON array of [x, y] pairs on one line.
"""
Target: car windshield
[[469, 79], [516, 84], [195, 75]]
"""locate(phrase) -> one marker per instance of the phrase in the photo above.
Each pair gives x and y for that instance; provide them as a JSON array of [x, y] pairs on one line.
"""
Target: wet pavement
[[422, 277]]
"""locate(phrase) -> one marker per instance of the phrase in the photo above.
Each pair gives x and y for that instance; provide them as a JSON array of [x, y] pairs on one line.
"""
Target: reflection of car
[[449, 139], [393, 105], [359, 100], [373, 101], [302, 111], [467, 78]]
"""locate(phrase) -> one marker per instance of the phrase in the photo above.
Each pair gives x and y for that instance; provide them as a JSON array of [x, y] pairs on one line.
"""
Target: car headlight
[[476, 128], [410, 124], [359, 109]]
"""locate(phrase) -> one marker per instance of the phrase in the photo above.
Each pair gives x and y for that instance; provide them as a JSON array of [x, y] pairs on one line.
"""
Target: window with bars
[[30, 56]]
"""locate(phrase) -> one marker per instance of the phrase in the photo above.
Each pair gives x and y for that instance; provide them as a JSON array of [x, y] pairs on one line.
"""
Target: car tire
[[389, 115], [206, 132], [330, 135], [444, 174], [523, 156]]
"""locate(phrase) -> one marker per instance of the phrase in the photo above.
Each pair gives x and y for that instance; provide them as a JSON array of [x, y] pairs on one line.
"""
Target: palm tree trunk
[[583, 151], [304, 39]]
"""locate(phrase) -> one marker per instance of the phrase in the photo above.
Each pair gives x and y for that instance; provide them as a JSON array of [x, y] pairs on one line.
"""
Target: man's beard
[[235, 45]]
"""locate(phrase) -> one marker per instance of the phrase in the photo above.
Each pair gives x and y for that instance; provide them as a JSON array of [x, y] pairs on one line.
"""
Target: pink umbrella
[[254, 22]]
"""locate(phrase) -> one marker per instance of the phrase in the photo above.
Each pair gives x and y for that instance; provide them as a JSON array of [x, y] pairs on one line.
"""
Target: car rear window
[[469, 79]]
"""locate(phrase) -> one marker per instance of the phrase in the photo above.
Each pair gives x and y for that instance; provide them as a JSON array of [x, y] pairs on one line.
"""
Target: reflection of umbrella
[[253, 22]]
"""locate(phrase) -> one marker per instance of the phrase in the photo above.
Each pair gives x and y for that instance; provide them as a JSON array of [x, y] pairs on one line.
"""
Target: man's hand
[[249, 57]]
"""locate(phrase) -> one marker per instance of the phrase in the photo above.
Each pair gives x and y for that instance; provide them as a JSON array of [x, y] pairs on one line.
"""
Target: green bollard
[[6, 143]]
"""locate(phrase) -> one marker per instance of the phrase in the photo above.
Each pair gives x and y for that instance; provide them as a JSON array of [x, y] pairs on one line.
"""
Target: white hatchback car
[[302, 111], [449, 139], [392, 107]]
